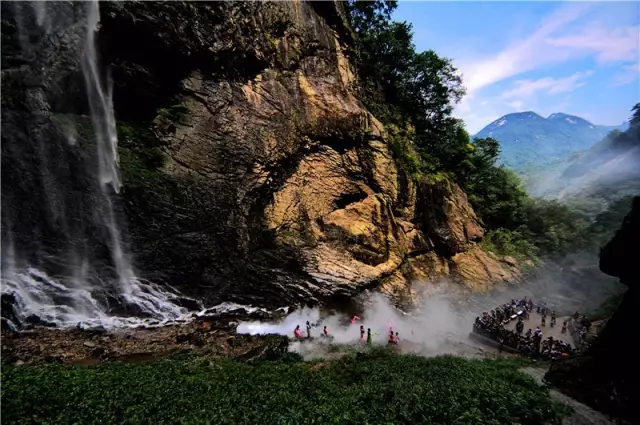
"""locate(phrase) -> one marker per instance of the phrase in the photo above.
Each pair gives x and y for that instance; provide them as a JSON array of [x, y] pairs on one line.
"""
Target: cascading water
[[83, 293]]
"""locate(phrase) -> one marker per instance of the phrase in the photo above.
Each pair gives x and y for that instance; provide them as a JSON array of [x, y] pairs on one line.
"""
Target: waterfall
[[83, 293]]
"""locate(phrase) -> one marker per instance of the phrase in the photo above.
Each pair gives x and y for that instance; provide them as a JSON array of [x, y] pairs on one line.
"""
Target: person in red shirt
[[297, 332]]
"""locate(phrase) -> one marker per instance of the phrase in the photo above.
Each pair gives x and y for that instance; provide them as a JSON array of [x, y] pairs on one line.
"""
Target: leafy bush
[[508, 242], [376, 388]]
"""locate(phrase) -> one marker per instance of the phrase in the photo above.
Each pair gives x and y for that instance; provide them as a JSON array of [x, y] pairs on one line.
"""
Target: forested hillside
[[414, 94], [529, 141], [590, 180], [609, 170]]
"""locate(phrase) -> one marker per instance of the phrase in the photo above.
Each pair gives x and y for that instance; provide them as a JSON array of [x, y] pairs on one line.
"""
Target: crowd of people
[[579, 330], [494, 325], [297, 332], [530, 343], [366, 336]]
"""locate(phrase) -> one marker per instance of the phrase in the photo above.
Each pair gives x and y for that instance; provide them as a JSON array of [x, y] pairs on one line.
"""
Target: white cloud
[[523, 55], [524, 89], [566, 35], [629, 74], [516, 104], [608, 45]]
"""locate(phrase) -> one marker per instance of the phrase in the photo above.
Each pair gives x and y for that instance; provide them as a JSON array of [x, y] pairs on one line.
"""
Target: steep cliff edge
[[605, 377], [276, 183], [251, 170]]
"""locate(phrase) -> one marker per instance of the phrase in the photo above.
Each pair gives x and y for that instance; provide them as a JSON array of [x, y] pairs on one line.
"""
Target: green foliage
[[408, 89], [414, 93], [496, 193], [139, 152], [511, 243], [173, 111], [552, 226], [603, 227], [403, 151], [378, 387], [635, 117]]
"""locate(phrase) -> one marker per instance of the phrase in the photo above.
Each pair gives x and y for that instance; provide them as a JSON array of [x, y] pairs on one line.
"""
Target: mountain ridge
[[529, 140]]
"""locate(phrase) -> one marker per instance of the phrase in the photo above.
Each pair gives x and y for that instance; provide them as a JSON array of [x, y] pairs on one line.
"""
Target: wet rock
[[188, 303], [32, 319], [52, 359], [96, 330], [182, 338], [7, 309], [7, 325], [196, 340], [89, 344], [19, 363], [264, 347], [97, 352]]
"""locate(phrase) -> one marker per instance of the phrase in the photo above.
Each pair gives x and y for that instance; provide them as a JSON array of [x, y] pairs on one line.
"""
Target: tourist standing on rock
[[564, 327], [297, 332], [369, 338], [361, 333], [325, 331], [308, 329]]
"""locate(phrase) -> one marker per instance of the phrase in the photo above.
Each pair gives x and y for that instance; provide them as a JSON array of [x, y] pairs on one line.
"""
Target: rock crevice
[[308, 200], [252, 172]]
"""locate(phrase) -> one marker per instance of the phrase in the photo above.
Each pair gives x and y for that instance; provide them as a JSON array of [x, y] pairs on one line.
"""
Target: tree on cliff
[[406, 88], [415, 93]]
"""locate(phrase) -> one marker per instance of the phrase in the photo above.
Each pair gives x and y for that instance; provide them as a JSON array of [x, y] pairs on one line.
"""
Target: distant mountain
[[610, 168], [528, 140], [594, 178]]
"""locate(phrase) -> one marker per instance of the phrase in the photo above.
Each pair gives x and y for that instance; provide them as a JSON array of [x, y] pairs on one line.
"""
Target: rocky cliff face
[[251, 170], [292, 193]]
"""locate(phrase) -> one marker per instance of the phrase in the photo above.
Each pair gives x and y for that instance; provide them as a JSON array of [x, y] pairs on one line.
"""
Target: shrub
[[376, 388]]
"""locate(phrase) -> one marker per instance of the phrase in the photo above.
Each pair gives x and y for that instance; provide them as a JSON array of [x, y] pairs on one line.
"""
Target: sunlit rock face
[[251, 172]]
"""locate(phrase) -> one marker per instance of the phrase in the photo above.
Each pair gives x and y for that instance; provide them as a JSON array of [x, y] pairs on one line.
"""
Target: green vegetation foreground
[[379, 387]]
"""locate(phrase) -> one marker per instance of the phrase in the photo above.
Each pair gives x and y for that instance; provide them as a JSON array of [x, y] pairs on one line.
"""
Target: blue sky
[[581, 58]]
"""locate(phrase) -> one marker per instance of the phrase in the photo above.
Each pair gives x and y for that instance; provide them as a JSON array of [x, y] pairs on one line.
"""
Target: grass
[[379, 387]]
